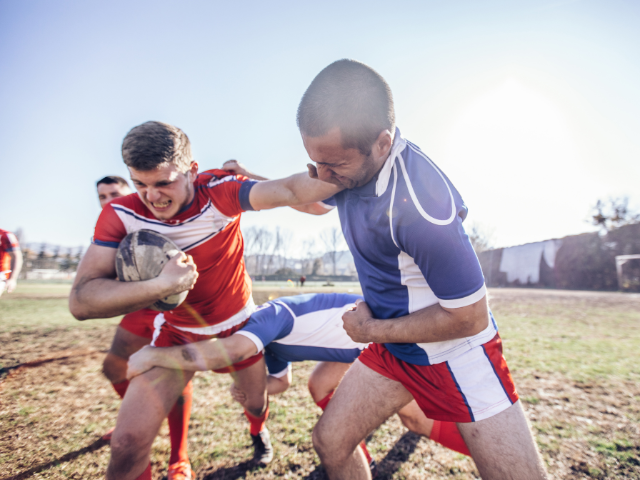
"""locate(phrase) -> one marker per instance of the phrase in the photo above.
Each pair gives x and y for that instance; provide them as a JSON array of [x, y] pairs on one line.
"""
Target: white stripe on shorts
[[477, 380]]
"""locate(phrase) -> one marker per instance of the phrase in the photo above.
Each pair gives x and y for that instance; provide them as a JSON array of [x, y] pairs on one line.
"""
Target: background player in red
[[10, 261], [200, 213]]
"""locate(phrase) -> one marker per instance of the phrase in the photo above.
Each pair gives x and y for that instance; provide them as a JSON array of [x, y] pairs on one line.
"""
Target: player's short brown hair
[[151, 144], [351, 96], [111, 179]]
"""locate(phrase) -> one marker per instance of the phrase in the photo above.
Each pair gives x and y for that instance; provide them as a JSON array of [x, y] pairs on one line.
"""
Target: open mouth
[[160, 206]]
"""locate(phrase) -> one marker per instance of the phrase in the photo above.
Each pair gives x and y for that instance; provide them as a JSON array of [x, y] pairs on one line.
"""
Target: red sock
[[146, 475], [257, 423], [121, 388], [325, 401], [179, 425], [448, 435]]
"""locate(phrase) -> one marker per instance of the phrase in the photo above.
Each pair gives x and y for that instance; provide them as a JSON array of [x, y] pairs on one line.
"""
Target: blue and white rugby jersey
[[404, 229], [303, 327]]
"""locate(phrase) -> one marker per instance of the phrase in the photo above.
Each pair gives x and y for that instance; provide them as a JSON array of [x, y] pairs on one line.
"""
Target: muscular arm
[[238, 168], [205, 355], [431, 324], [97, 294]]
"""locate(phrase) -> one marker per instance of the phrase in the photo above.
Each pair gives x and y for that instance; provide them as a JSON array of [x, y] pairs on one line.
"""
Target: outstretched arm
[[97, 294], [235, 167], [205, 355]]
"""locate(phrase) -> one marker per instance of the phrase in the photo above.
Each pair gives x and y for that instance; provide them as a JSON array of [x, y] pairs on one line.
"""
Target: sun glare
[[513, 157]]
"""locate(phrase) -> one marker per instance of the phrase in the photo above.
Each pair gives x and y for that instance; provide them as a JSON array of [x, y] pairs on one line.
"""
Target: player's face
[[348, 167], [106, 193], [166, 189]]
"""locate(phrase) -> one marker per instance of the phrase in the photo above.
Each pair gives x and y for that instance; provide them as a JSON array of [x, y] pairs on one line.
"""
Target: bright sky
[[530, 107]]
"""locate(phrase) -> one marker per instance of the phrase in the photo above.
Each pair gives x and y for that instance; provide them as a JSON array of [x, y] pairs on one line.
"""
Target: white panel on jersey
[[479, 384], [420, 293], [188, 233], [399, 144], [323, 328]]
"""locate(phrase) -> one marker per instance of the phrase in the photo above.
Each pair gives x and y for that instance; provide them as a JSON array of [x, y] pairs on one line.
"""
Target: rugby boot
[[180, 471], [262, 449]]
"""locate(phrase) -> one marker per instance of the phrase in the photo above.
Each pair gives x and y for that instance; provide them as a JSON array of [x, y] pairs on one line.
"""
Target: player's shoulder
[[214, 177], [424, 189]]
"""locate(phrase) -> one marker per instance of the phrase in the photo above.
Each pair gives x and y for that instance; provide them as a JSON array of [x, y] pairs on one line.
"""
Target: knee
[[327, 447], [114, 368], [256, 406], [127, 449]]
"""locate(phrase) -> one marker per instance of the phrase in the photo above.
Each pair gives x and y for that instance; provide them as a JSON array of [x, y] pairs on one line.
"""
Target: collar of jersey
[[379, 183]]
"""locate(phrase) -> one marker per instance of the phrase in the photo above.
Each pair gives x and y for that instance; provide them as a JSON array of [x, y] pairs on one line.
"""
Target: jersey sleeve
[[275, 366], [446, 259], [109, 229], [229, 193], [267, 324], [9, 242], [330, 203]]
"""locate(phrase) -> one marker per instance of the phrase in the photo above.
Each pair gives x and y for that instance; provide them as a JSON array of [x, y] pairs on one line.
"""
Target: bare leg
[[149, 399], [123, 346], [253, 382], [502, 446], [325, 378], [415, 420], [364, 400]]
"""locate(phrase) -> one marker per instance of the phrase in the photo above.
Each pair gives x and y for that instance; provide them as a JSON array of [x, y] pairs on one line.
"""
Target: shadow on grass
[[97, 445], [390, 464], [228, 473]]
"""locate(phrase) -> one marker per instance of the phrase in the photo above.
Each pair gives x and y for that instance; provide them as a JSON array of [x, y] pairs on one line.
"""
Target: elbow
[[77, 310]]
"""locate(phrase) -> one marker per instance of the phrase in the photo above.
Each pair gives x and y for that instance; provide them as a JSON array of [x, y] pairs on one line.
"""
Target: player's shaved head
[[351, 96], [152, 144]]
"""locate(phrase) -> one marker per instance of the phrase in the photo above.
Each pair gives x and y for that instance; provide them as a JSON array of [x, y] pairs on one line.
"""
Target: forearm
[[104, 297], [431, 324], [295, 190], [16, 265]]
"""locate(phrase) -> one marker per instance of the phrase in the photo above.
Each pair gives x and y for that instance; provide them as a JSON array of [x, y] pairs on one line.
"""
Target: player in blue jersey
[[292, 329], [426, 307]]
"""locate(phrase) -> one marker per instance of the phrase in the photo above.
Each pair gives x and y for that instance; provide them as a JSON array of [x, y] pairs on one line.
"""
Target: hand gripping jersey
[[8, 243], [209, 230], [304, 327], [404, 229]]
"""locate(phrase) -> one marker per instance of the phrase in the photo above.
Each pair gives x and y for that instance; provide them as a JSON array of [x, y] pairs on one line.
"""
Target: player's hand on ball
[[140, 362], [356, 322], [237, 394], [180, 272]]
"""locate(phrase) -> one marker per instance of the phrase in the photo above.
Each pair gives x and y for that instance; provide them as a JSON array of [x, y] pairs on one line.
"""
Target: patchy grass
[[574, 357]]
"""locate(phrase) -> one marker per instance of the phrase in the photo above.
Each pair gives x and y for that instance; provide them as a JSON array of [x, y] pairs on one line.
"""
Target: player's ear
[[193, 170], [383, 143]]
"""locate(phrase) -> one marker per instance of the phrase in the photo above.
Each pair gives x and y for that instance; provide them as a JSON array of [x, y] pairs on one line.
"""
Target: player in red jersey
[[10, 261], [200, 213]]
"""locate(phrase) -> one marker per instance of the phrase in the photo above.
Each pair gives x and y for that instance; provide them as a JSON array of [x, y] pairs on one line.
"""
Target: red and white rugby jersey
[[207, 229], [8, 243]]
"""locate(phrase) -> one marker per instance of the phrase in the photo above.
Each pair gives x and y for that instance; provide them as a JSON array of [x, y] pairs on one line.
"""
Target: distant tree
[[333, 241], [613, 213], [19, 233], [481, 237], [317, 266], [311, 252]]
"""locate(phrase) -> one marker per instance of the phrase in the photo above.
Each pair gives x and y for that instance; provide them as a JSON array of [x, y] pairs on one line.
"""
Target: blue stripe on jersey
[[313, 302], [461, 394], [496, 373], [243, 195], [105, 244], [157, 222]]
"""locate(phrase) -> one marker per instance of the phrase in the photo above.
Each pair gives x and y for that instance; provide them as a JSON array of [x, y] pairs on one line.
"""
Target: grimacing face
[[165, 190], [109, 192], [347, 168]]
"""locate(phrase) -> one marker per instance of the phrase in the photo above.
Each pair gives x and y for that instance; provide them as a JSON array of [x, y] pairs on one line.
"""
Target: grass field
[[575, 357]]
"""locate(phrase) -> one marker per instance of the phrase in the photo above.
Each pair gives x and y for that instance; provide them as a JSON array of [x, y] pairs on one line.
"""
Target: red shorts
[[167, 335], [473, 386], [140, 323]]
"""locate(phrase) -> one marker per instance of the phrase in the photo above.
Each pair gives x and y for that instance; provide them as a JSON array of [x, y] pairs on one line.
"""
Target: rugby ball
[[141, 256]]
